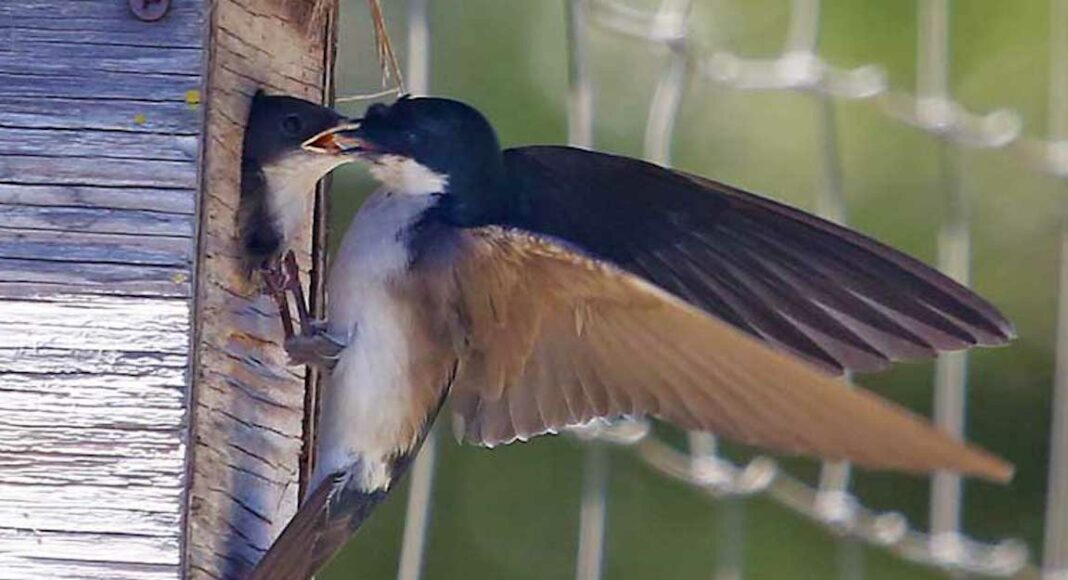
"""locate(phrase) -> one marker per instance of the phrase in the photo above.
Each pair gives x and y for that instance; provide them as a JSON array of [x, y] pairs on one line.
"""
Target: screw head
[[149, 10]]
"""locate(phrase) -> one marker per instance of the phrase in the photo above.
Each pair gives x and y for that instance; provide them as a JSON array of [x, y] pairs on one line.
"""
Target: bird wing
[[556, 338], [833, 296]]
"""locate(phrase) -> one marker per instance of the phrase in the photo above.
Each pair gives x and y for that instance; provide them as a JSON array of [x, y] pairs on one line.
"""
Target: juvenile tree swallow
[[278, 171], [546, 287]]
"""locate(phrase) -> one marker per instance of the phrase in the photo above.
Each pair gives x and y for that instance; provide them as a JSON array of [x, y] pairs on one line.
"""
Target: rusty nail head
[[149, 10]]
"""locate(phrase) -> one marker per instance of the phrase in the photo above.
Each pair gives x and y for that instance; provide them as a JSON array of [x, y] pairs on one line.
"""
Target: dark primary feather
[[833, 296]]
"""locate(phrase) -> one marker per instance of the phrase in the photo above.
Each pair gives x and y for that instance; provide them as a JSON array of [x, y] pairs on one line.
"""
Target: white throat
[[407, 177], [290, 181]]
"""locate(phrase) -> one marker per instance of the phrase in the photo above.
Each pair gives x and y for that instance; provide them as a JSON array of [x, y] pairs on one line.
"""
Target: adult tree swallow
[[546, 287]]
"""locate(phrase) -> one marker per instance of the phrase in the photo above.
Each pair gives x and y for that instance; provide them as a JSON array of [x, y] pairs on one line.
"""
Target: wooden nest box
[[148, 426]]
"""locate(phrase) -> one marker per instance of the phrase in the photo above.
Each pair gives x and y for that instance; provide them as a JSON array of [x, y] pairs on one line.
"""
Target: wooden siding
[[99, 157], [123, 324], [249, 410]]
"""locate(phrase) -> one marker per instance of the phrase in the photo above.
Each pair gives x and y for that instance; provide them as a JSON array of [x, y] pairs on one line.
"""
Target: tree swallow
[[279, 168], [546, 287]]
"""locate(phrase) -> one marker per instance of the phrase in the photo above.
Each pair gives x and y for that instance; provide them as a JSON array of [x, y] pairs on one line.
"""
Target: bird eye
[[292, 124]]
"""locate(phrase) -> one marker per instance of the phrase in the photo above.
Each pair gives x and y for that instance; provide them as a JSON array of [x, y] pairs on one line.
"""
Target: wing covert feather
[[569, 339]]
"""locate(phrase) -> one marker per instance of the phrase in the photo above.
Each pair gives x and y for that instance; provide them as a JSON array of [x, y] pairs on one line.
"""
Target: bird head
[[423, 145], [293, 140]]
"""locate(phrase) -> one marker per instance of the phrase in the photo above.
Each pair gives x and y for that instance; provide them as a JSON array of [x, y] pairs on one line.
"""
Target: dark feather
[[831, 295], [572, 339], [322, 525], [334, 511], [261, 242]]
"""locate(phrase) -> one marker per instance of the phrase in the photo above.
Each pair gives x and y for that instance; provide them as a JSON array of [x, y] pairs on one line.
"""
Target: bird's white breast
[[365, 406]]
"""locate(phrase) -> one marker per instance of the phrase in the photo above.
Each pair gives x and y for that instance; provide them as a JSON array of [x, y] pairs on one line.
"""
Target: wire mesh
[[799, 67], [417, 515], [1051, 156]]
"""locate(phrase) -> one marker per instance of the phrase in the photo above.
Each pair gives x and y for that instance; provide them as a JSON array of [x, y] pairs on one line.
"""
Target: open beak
[[337, 140]]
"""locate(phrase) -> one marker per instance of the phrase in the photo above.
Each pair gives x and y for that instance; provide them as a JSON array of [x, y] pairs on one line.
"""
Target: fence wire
[[800, 68]]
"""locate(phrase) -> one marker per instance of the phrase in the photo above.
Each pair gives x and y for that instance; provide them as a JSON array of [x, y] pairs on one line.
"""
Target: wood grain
[[99, 176], [249, 412], [149, 428], [92, 445]]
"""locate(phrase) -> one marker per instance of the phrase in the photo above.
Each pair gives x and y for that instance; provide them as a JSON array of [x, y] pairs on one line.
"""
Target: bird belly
[[366, 405], [368, 416]]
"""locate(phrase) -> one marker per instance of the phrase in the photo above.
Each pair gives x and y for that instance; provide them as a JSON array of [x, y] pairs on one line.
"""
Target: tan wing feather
[[557, 339]]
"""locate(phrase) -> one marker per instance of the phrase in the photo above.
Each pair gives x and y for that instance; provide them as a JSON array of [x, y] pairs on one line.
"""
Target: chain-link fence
[[929, 107]]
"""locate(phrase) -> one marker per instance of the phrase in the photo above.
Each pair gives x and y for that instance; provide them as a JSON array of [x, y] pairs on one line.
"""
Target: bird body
[[277, 175], [367, 404], [541, 288]]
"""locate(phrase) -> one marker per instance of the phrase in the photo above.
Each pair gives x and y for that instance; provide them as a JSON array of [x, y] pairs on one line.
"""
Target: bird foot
[[315, 346], [283, 278], [274, 278]]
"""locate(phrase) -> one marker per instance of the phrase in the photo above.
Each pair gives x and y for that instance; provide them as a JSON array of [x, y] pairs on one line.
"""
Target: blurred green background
[[513, 512]]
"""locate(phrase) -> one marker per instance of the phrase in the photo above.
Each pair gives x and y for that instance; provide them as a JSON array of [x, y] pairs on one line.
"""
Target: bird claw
[[283, 277], [274, 278], [315, 346]]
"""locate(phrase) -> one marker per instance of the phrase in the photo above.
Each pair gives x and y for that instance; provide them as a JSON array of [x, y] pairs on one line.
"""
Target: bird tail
[[322, 525]]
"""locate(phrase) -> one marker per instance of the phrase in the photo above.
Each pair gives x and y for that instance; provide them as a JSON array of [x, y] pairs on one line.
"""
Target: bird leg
[[292, 283], [314, 346], [275, 279]]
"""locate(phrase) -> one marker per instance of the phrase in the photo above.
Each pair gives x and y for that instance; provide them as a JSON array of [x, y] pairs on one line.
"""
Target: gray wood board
[[161, 200], [92, 436], [137, 116], [100, 129]]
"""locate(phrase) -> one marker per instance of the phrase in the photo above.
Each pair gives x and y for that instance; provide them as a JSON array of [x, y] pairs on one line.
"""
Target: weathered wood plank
[[135, 38], [95, 220], [89, 248], [164, 321], [58, 143], [94, 441], [42, 58], [99, 85], [25, 289], [92, 446], [100, 138], [71, 495], [32, 468], [87, 546], [101, 21], [249, 410], [182, 201], [50, 360], [158, 390], [19, 568], [108, 518], [84, 416], [102, 13], [172, 118], [38, 170]]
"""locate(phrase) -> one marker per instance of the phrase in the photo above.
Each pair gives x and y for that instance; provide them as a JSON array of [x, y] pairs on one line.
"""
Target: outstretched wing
[[831, 295], [556, 339]]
